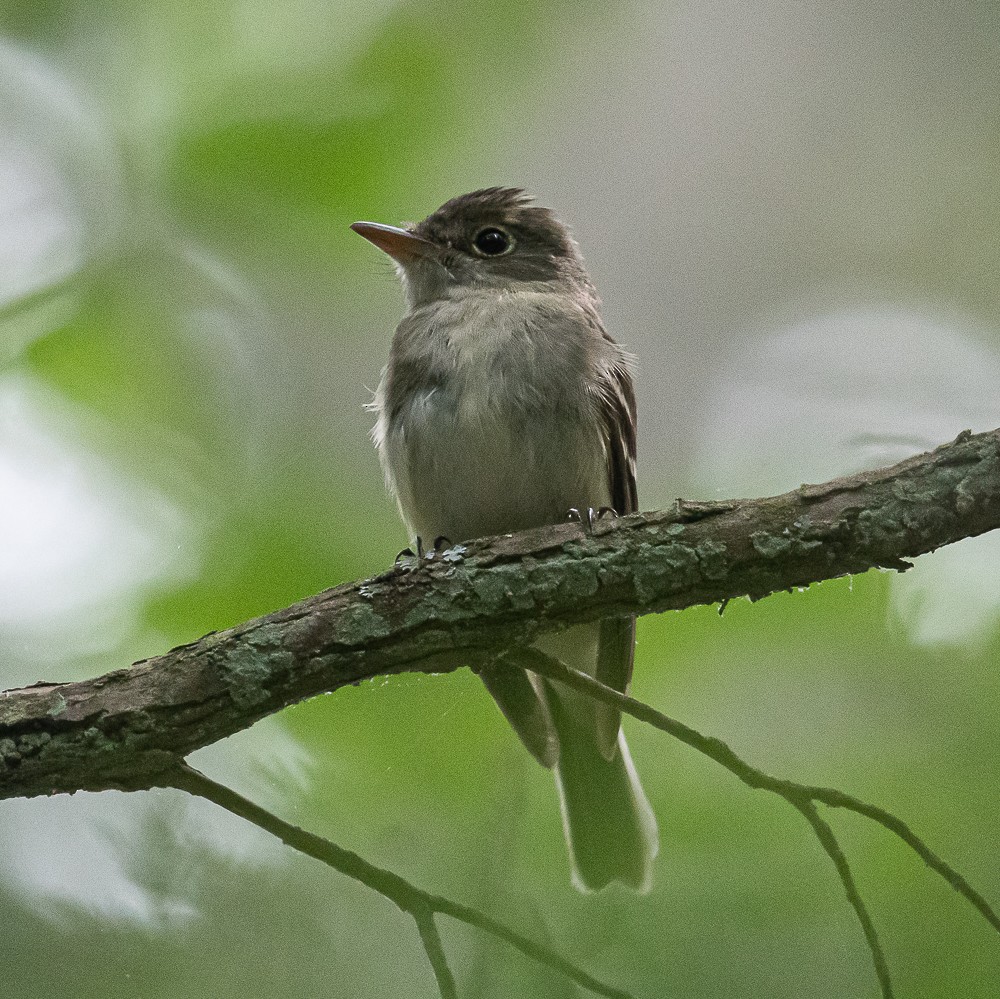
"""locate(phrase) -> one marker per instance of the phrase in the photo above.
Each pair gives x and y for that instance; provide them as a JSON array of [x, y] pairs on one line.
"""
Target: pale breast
[[504, 436]]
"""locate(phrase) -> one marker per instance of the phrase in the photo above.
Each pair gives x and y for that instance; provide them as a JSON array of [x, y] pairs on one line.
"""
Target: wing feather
[[616, 646]]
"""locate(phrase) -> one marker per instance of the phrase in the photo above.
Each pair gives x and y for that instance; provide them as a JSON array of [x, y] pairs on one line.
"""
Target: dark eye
[[492, 242]]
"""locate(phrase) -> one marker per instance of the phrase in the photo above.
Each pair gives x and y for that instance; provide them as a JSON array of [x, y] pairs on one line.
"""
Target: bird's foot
[[588, 519], [408, 560]]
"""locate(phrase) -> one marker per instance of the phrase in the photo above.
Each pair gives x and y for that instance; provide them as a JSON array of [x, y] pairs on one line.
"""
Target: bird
[[505, 404]]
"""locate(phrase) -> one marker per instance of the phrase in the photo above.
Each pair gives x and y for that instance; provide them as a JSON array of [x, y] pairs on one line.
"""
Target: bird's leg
[[587, 518], [409, 561], [441, 544]]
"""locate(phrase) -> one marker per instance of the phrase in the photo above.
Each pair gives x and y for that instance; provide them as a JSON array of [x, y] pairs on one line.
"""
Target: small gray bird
[[504, 405]]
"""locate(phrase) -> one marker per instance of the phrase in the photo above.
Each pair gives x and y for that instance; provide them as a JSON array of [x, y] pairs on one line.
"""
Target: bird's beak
[[401, 244]]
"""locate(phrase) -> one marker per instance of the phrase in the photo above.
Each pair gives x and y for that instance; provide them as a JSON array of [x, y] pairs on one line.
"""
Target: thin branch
[[715, 749], [420, 904], [829, 843], [431, 940], [543, 955], [128, 728], [838, 799]]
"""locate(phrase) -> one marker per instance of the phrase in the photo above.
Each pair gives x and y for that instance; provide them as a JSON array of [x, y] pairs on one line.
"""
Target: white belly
[[463, 473]]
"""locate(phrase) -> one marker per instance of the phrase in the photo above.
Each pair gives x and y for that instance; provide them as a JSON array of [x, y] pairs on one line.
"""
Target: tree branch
[[130, 729], [829, 843], [421, 905], [434, 949], [802, 797], [464, 606], [795, 794]]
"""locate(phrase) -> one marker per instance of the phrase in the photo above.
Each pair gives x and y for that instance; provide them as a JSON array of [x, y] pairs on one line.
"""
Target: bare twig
[[800, 796], [829, 843], [837, 799], [715, 749], [435, 953], [421, 905]]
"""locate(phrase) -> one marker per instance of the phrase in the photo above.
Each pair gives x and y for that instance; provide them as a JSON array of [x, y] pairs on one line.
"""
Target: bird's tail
[[609, 823]]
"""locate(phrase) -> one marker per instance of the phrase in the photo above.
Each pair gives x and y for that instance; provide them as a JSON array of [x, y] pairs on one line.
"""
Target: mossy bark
[[130, 728]]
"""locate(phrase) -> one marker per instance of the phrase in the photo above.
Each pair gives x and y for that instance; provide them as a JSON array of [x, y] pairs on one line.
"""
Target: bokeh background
[[792, 215]]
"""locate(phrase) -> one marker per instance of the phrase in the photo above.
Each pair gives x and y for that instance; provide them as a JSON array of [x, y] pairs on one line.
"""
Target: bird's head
[[493, 240]]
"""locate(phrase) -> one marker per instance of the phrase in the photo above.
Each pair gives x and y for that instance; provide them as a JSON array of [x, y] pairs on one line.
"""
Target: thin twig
[[401, 892], [431, 939], [829, 843], [539, 953], [838, 799], [800, 796], [715, 749]]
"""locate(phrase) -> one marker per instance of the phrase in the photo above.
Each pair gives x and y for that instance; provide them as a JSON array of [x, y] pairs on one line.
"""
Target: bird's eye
[[492, 242]]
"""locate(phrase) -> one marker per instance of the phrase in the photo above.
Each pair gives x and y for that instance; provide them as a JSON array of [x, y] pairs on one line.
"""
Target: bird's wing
[[618, 425], [616, 646]]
